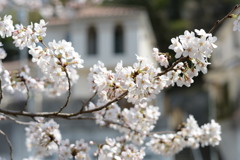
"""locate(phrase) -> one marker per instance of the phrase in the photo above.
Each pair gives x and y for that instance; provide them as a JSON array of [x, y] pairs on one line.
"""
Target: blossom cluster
[[139, 84], [138, 121], [79, 150], [162, 58], [58, 62], [6, 26], [118, 150], [20, 80], [43, 136], [236, 23], [190, 135], [140, 80], [143, 80], [197, 48], [30, 35], [3, 55]]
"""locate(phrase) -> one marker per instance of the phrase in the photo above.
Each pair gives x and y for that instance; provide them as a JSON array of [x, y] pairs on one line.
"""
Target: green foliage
[[34, 16]]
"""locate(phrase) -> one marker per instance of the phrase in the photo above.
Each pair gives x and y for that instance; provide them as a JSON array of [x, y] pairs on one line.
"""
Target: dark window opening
[[118, 40], [92, 41]]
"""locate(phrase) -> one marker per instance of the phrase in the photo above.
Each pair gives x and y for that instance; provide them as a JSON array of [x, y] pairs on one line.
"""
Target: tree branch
[[224, 18], [9, 143], [69, 92], [17, 121], [107, 104], [26, 103], [1, 96], [58, 115], [84, 105], [171, 68]]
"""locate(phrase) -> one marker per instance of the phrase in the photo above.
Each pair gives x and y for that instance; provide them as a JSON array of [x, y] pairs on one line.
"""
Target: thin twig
[[43, 44], [107, 104], [17, 121], [69, 92], [121, 125], [1, 91], [26, 102], [58, 115], [172, 67], [162, 132], [9, 143], [81, 110], [224, 18], [38, 114]]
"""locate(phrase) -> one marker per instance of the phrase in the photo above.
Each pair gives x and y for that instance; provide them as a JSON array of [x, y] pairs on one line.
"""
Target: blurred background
[[114, 30]]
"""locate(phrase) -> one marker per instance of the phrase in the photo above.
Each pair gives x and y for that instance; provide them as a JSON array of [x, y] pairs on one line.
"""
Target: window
[[118, 40], [92, 40]]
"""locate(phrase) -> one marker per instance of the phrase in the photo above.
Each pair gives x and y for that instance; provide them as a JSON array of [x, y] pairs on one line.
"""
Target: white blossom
[[116, 149], [190, 135], [236, 24], [44, 137], [6, 26], [79, 150]]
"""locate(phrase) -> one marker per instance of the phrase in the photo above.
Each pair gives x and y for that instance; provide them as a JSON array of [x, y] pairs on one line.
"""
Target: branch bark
[[69, 92], [9, 143], [224, 18]]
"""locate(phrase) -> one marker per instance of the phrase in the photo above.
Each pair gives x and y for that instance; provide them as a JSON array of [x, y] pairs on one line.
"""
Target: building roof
[[98, 12], [107, 11]]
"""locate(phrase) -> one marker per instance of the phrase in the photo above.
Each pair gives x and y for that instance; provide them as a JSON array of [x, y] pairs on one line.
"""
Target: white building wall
[[145, 39], [56, 33], [131, 42], [78, 37], [105, 43]]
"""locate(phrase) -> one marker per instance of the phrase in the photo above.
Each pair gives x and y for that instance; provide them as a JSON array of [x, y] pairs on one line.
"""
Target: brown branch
[[81, 110], [172, 67], [105, 120], [69, 92], [44, 44], [107, 104], [1, 96], [224, 18], [150, 134], [26, 102], [9, 143], [17, 121], [39, 114], [162, 132], [58, 115]]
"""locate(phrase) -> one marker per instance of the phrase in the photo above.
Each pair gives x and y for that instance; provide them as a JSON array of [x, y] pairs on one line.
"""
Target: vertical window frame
[[92, 44], [118, 39]]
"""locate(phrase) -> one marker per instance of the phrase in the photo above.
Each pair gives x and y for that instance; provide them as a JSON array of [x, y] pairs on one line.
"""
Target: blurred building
[[107, 34], [223, 84]]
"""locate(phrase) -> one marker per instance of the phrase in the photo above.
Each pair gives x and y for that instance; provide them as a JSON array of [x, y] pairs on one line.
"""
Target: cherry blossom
[[30, 35], [44, 136], [6, 26], [160, 57], [236, 23], [189, 135], [117, 149], [79, 150], [138, 84]]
